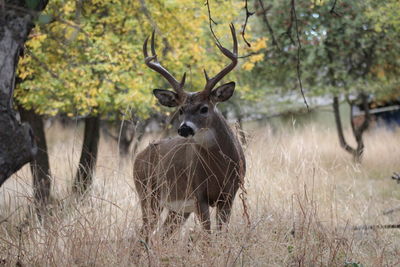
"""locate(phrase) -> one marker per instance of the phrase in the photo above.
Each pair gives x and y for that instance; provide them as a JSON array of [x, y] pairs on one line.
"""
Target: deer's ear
[[166, 98], [223, 92]]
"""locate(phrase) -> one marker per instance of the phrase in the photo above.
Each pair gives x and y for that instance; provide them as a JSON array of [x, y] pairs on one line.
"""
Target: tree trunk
[[357, 131], [87, 162], [125, 137], [140, 130], [40, 166], [17, 146]]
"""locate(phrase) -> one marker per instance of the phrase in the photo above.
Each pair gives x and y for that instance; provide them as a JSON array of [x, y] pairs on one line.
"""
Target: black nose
[[185, 131]]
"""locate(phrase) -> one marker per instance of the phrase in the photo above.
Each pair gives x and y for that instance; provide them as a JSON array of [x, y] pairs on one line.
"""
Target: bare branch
[[76, 27], [211, 21], [146, 12], [289, 28], [298, 67], [248, 14], [265, 18], [250, 54], [332, 11], [43, 65]]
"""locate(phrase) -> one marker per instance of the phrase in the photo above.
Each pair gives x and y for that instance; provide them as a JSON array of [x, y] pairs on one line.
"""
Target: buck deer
[[201, 167]]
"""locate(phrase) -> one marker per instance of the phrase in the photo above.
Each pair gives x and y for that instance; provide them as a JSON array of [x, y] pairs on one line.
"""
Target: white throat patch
[[205, 137]]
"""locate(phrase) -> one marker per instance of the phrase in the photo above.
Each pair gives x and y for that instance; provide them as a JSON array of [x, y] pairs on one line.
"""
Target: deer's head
[[197, 110]]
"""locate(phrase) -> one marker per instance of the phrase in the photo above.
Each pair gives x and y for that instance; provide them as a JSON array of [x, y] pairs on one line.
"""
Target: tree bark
[[87, 162], [17, 146], [357, 131], [40, 166]]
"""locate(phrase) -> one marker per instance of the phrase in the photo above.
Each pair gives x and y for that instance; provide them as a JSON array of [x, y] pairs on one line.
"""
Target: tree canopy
[[334, 46], [85, 57]]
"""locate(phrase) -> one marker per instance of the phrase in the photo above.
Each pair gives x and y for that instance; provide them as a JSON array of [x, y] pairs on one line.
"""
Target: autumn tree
[[331, 48], [86, 61]]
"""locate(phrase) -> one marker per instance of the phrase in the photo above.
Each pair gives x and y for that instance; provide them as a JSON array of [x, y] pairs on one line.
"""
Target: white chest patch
[[205, 138], [187, 205]]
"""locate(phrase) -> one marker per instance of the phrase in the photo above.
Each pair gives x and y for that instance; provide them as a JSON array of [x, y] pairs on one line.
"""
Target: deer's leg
[[223, 214], [149, 222], [151, 211], [174, 221], [203, 212]]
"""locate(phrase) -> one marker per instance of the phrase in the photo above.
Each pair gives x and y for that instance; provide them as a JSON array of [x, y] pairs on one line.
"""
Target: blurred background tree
[[84, 61], [336, 48]]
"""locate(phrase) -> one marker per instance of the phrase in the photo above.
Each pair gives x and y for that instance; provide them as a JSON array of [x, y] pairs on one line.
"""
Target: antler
[[152, 62], [231, 55]]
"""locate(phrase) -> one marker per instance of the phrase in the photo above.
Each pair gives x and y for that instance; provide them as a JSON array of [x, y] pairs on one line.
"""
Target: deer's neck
[[218, 137]]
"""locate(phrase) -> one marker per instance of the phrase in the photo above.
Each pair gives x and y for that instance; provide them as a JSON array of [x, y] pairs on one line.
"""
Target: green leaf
[[31, 4], [44, 19]]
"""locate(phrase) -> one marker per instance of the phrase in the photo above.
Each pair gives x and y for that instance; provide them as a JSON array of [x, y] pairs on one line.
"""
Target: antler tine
[[231, 55], [152, 62], [145, 49]]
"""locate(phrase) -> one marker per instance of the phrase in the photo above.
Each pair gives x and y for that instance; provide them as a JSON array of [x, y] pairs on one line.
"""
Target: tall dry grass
[[304, 195]]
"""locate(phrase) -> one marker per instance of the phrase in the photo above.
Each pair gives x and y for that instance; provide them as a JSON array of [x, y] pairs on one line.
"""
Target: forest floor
[[304, 197]]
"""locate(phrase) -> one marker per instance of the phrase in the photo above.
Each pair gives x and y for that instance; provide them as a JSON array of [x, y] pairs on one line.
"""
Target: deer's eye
[[204, 110]]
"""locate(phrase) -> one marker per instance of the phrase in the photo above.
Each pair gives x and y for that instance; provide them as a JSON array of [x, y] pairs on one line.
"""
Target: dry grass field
[[304, 196]]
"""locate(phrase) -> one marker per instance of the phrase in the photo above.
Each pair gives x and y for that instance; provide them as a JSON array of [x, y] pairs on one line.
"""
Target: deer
[[203, 166]]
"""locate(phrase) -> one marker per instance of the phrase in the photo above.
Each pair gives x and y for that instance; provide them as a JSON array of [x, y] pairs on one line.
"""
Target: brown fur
[[181, 169], [191, 174]]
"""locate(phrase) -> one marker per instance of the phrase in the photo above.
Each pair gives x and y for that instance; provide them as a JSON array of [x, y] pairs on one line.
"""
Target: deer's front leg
[[203, 213], [223, 213], [150, 213], [173, 221]]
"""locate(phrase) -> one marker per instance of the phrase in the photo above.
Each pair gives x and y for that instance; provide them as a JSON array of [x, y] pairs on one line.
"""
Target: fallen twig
[[376, 227], [387, 212]]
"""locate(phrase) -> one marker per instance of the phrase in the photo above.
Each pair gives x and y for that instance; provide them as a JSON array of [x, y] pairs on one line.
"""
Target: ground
[[304, 196]]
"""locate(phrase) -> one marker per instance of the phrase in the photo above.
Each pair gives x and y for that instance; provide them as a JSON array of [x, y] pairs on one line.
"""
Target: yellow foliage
[[248, 65], [92, 61], [259, 44]]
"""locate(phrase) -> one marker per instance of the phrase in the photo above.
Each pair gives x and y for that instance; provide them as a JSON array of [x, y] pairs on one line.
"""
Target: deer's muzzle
[[185, 130]]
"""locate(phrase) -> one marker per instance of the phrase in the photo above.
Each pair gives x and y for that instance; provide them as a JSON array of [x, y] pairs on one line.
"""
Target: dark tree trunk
[[40, 166], [129, 133], [126, 134], [357, 131], [17, 146], [87, 162], [139, 133]]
